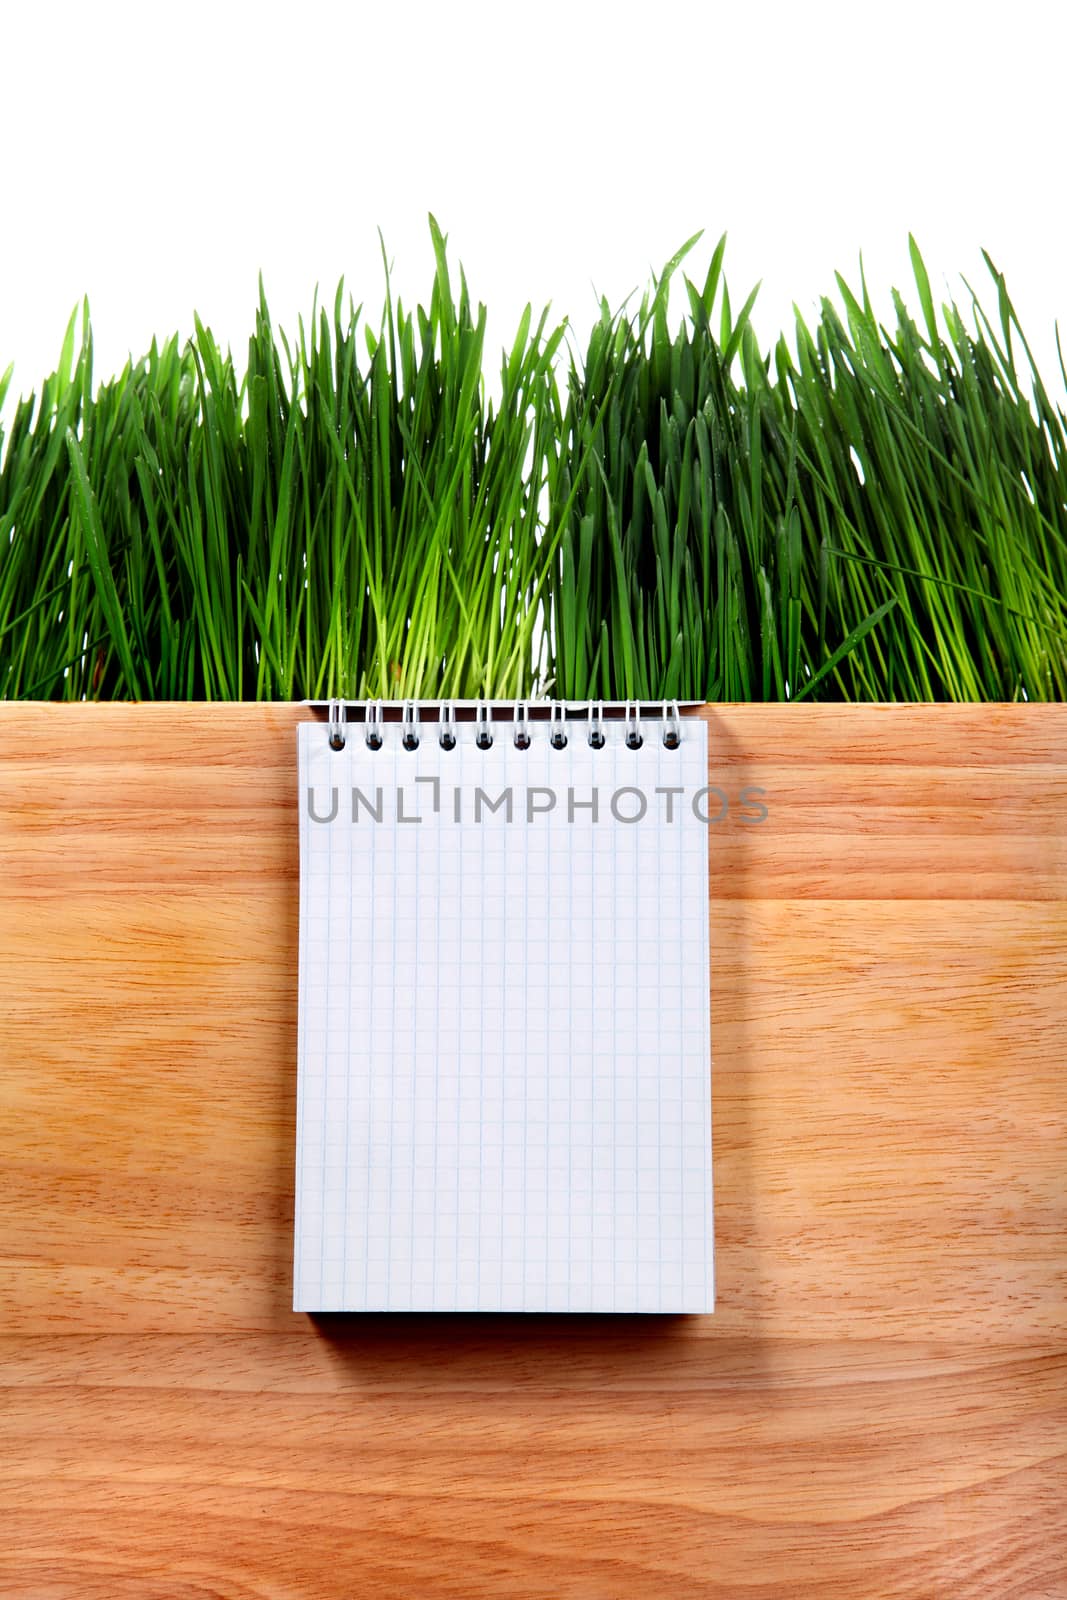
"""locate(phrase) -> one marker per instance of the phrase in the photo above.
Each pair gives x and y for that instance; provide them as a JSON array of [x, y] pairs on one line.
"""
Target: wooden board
[[878, 1407]]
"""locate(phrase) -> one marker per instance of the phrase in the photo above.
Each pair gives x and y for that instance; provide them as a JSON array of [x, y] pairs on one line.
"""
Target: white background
[[156, 158]]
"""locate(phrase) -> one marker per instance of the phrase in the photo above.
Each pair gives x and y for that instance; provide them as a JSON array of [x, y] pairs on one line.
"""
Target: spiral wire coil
[[375, 726]]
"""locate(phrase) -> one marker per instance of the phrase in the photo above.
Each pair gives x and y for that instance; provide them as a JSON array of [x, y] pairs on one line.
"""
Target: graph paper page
[[504, 1098]]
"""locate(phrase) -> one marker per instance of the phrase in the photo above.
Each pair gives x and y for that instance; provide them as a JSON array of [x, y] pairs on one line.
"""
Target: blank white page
[[504, 1093]]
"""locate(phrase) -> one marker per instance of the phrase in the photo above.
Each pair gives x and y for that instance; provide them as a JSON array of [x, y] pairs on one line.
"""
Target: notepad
[[504, 1091]]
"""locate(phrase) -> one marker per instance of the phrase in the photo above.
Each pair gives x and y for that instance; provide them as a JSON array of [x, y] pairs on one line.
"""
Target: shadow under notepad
[[344, 1328], [732, 846], [511, 1348]]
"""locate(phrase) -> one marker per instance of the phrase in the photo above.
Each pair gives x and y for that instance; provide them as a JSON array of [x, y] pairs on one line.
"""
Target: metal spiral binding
[[410, 719], [672, 726], [522, 734], [337, 724]]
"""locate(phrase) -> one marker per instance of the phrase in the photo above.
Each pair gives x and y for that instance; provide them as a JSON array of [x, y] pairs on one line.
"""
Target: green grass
[[861, 513]]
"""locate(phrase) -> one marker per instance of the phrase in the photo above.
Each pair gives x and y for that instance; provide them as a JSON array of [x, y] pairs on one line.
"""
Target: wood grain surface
[[877, 1408]]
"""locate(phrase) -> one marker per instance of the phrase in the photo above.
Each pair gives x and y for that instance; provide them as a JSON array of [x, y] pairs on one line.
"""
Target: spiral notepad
[[504, 1094]]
